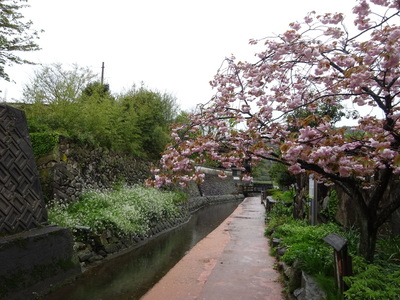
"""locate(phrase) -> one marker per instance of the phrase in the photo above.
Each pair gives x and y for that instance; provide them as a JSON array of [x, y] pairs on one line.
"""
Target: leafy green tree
[[71, 103], [15, 35], [53, 100], [68, 102], [260, 172], [182, 118], [146, 118], [96, 88], [99, 114], [281, 175], [53, 84]]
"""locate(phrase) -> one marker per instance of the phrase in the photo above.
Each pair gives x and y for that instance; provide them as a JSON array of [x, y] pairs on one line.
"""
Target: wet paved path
[[232, 262]]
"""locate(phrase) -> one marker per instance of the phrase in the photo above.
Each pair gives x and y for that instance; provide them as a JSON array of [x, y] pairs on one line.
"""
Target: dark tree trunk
[[368, 236], [367, 219], [300, 199]]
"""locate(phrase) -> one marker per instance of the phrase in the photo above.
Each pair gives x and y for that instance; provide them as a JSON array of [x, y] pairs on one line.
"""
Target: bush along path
[[107, 222], [307, 264]]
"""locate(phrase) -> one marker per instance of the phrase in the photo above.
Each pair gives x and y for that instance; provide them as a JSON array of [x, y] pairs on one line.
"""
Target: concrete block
[[32, 261]]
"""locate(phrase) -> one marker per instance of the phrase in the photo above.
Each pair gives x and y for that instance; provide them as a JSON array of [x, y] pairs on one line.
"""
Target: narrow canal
[[131, 275]]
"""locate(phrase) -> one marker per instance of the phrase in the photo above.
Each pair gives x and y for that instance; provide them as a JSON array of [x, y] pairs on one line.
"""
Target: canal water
[[131, 275]]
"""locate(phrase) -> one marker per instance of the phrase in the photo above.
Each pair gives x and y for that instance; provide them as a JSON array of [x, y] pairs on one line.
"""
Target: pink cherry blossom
[[269, 108]]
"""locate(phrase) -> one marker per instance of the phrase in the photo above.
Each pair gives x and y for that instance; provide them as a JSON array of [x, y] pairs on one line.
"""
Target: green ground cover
[[305, 247], [125, 211]]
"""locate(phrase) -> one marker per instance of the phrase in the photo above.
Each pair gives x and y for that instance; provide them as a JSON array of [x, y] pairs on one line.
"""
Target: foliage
[[305, 246], [15, 35], [330, 211], [261, 171], [182, 118], [281, 212], [43, 143], [96, 88], [280, 174], [314, 259], [371, 281], [332, 112], [318, 61], [299, 232], [146, 117], [352, 236], [307, 250], [388, 251], [54, 84], [127, 211], [283, 196], [67, 101], [380, 280]]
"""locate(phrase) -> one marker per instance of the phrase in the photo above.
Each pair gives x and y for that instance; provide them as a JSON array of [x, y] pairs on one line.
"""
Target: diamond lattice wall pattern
[[21, 199]]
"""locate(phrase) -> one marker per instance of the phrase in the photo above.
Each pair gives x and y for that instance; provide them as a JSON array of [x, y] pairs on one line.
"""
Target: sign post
[[343, 262]]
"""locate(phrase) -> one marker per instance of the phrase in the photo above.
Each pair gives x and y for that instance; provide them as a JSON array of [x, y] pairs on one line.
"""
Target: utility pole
[[102, 74]]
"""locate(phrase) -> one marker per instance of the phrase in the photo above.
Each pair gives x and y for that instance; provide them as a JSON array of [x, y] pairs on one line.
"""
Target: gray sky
[[174, 46]]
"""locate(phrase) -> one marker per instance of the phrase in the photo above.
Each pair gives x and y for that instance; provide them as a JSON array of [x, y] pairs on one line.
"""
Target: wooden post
[[343, 262]]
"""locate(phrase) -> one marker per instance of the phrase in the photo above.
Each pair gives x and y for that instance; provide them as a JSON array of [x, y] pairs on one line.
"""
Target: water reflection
[[130, 276]]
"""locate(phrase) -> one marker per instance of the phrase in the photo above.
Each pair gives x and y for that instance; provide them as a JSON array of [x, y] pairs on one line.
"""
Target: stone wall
[[213, 186], [71, 168]]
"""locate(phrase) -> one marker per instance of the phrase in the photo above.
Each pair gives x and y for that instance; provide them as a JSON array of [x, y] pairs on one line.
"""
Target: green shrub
[[305, 244], [388, 252], [352, 235], [282, 210], [328, 285], [330, 212], [299, 231], [313, 259], [306, 247], [372, 282], [136, 122], [43, 143], [285, 196]]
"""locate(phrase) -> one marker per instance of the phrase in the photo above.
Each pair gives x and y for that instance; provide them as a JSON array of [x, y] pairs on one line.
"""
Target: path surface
[[232, 262]]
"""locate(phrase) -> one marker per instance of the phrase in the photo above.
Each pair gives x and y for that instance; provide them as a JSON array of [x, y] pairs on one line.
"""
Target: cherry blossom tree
[[319, 60]]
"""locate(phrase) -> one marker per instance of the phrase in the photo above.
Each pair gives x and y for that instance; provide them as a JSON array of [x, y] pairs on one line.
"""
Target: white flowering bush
[[127, 211]]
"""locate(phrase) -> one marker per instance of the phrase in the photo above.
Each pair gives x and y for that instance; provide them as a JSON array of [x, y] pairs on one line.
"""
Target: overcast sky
[[174, 46]]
